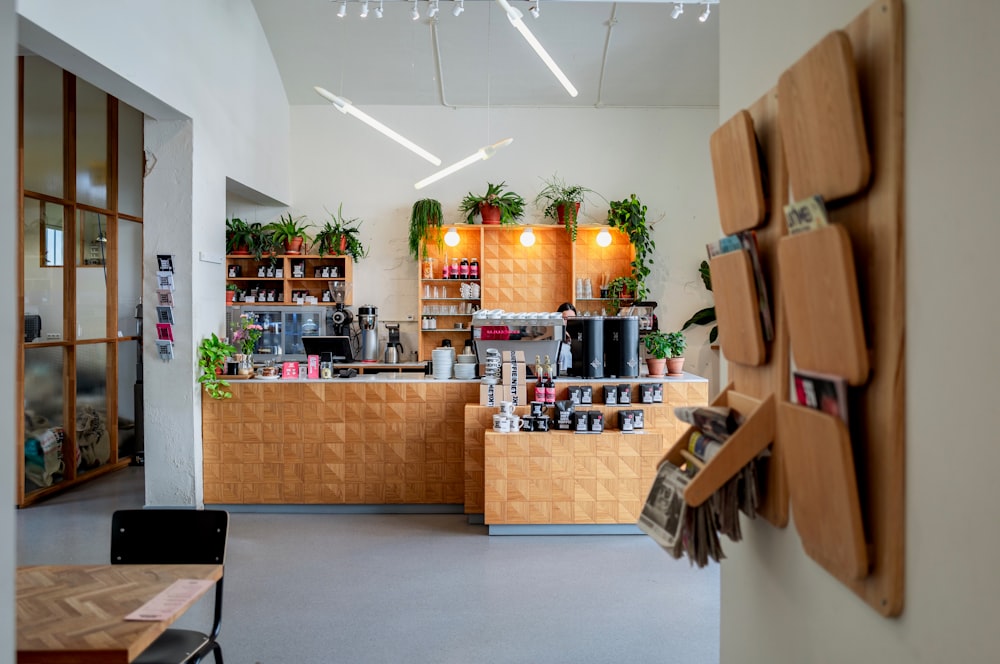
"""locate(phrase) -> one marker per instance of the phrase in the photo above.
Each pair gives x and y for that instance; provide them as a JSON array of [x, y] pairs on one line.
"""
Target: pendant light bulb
[[415, 14], [676, 12], [527, 237], [451, 238], [459, 8], [604, 238], [342, 12], [705, 14]]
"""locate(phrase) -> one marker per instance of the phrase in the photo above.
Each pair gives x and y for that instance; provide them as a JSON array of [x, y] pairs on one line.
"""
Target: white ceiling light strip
[[345, 106], [515, 16], [481, 154]]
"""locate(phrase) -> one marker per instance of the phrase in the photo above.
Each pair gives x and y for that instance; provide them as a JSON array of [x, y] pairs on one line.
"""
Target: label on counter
[[289, 370]]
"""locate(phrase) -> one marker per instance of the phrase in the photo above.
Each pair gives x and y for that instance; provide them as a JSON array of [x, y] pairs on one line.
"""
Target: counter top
[[412, 377]]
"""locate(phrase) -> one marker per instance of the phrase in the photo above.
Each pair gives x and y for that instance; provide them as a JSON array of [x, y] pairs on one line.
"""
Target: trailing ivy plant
[[629, 216], [426, 214], [212, 354], [704, 316]]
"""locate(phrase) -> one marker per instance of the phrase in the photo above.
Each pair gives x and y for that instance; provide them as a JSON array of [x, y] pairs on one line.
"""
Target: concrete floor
[[319, 588]]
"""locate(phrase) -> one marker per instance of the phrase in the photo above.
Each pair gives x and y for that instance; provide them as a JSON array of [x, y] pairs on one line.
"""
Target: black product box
[[581, 421], [626, 421], [624, 395], [646, 392], [610, 395], [564, 415], [586, 395], [575, 394], [638, 418], [657, 392], [596, 418]]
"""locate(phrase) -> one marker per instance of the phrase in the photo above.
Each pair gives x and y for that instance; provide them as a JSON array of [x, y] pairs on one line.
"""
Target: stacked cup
[[494, 366]]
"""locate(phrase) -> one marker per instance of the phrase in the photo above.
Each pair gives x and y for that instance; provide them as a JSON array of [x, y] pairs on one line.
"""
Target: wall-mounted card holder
[[738, 175], [750, 439], [820, 293], [823, 488], [737, 308]]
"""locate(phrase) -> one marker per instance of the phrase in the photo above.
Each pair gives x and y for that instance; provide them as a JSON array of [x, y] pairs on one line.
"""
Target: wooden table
[[76, 613]]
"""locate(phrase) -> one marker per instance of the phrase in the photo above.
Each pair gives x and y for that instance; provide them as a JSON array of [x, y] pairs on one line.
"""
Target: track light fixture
[[342, 12], [676, 12], [415, 14], [515, 16], [364, 9], [459, 8], [345, 106], [534, 9], [705, 14], [378, 10], [484, 152], [432, 8]]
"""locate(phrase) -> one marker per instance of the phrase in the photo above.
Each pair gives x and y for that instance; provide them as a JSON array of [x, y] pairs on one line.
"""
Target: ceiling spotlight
[[534, 10], [705, 14], [364, 9], [342, 12], [459, 8], [432, 8], [676, 12], [415, 14], [378, 10]]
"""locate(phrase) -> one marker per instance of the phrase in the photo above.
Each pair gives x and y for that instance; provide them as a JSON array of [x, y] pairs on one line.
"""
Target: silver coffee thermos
[[391, 354], [368, 320]]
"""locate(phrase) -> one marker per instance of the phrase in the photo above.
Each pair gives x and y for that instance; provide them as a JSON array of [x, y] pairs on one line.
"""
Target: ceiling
[[616, 54]]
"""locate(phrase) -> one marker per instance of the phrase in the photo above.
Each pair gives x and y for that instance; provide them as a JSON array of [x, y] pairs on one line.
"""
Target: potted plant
[[426, 214], [629, 216], [622, 288], [341, 237], [246, 238], [676, 343], [212, 354], [231, 290], [561, 202], [290, 232], [658, 350], [496, 206]]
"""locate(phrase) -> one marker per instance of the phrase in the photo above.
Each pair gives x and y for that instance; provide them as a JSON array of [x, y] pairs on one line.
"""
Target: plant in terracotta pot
[[290, 232], [629, 216], [676, 343], [212, 355], [231, 290], [621, 289], [341, 237], [658, 350], [425, 215], [246, 238], [561, 202], [496, 206]]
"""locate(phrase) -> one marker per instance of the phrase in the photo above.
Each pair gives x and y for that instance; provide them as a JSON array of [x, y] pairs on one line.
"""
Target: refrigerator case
[[284, 327]]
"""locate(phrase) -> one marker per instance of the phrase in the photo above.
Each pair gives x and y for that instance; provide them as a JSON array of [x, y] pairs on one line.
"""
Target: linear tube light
[[345, 106], [515, 16], [482, 153]]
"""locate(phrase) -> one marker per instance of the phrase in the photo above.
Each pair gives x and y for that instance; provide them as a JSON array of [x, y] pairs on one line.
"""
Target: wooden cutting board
[[822, 126]]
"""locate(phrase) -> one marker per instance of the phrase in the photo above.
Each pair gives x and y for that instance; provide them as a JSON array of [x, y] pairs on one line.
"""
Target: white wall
[[8, 344], [777, 605], [660, 155], [204, 70]]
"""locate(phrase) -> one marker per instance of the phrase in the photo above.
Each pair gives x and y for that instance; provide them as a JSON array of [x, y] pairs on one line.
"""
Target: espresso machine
[[393, 348], [368, 322]]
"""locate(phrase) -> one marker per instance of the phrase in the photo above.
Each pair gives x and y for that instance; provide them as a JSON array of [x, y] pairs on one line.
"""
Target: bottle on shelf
[[474, 268], [455, 269], [428, 268], [445, 268], [540, 389], [463, 269], [550, 384]]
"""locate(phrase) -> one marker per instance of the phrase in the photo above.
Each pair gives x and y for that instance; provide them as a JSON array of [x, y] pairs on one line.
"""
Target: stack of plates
[[444, 360], [465, 370]]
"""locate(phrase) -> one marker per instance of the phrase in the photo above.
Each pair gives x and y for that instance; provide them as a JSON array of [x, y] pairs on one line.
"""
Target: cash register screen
[[340, 347]]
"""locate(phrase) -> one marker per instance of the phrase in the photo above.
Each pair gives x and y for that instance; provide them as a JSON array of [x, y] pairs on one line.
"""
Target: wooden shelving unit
[[288, 285]]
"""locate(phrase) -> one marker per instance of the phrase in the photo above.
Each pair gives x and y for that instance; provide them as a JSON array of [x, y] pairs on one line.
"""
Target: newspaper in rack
[[662, 516]]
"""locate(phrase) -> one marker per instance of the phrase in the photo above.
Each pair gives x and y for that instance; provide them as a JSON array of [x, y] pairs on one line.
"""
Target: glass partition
[[43, 127], [128, 396], [91, 284], [44, 403], [129, 274], [93, 438], [130, 166], [43, 270], [91, 145]]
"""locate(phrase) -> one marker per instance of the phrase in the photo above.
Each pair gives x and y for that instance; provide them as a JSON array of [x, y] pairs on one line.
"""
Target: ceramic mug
[[507, 408]]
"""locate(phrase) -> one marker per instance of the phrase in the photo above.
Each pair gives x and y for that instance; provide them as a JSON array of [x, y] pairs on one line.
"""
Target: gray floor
[[324, 588]]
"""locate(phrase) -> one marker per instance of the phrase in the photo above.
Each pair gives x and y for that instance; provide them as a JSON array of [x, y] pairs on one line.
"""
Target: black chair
[[174, 537]]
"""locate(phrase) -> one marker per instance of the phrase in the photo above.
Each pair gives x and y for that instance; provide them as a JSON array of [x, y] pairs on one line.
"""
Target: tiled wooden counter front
[[395, 441], [502, 490]]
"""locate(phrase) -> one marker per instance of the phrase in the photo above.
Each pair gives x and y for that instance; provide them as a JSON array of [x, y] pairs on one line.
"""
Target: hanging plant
[[426, 214], [629, 216]]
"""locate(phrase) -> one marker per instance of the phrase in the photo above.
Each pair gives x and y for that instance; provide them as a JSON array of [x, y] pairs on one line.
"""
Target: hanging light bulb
[[604, 238], [451, 238], [364, 9], [378, 10], [459, 8], [527, 237], [676, 12], [415, 14], [342, 12], [705, 14]]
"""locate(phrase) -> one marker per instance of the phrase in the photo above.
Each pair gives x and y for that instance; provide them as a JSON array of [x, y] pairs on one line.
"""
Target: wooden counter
[[378, 439]]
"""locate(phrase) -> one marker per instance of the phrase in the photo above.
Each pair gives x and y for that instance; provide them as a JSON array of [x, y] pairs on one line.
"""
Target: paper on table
[[174, 599]]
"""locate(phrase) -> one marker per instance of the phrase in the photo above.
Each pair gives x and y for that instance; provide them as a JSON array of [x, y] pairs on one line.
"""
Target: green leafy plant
[[426, 214], [676, 344], [656, 345], [232, 287], [510, 204], [556, 195], [252, 235], [212, 354], [341, 236], [622, 288], [629, 216], [287, 229], [704, 316]]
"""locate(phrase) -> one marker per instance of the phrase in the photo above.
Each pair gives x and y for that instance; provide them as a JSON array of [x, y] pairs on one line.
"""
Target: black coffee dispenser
[[621, 346], [586, 343]]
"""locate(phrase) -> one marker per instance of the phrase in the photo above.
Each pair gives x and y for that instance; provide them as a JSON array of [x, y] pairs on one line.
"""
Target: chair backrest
[[169, 537]]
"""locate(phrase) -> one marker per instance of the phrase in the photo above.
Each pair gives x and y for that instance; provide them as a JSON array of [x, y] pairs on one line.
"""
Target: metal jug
[[391, 354]]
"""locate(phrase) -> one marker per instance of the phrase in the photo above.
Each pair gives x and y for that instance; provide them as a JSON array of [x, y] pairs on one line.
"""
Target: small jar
[[326, 370]]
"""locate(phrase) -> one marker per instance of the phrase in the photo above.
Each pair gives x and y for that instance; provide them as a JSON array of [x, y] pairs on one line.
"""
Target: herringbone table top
[[76, 613]]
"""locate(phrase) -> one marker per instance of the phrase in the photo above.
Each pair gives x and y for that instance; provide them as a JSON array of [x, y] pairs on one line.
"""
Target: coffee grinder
[[340, 320], [393, 348], [368, 321]]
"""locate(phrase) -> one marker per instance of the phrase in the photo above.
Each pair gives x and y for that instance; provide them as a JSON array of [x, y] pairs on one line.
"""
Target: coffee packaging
[[624, 395], [610, 395]]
